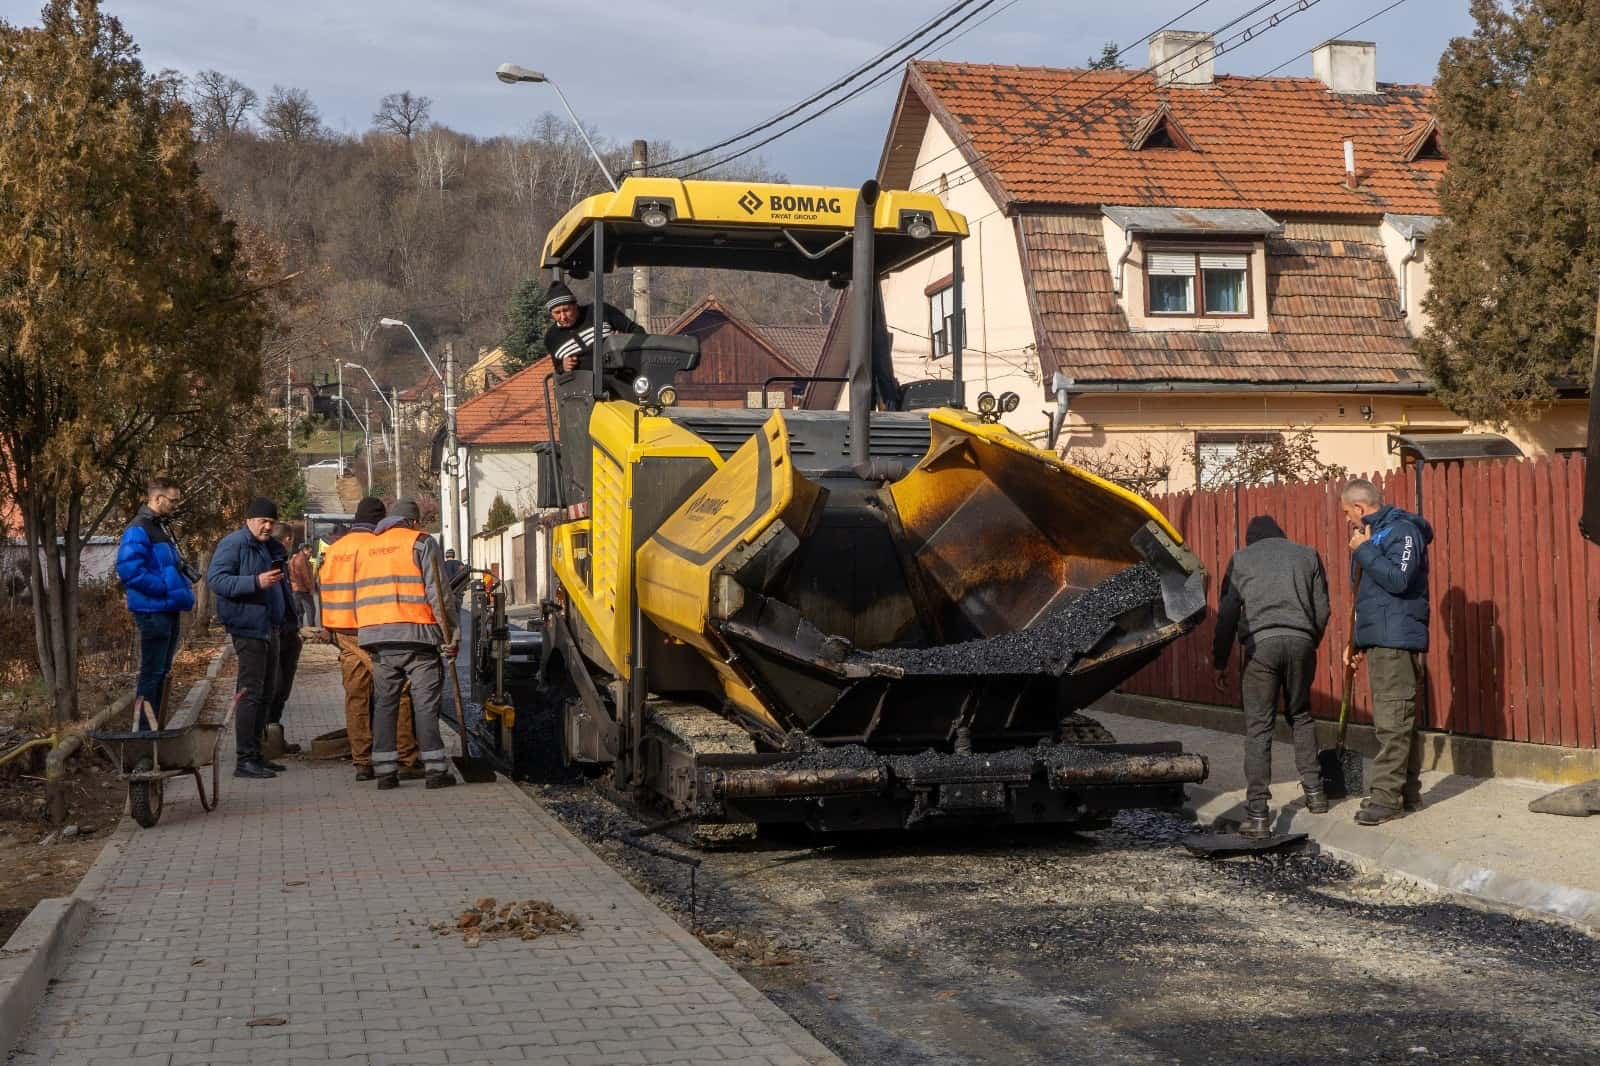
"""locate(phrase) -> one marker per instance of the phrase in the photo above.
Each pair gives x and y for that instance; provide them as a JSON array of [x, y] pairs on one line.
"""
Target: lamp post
[[452, 535], [394, 420], [511, 74]]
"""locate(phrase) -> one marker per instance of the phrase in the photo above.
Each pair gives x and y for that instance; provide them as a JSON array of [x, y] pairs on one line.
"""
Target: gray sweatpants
[[392, 666], [1278, 665]]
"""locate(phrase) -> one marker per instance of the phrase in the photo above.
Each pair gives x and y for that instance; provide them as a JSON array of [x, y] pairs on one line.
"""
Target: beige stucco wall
[[1415, 279], [1108, 428], [999, 353]]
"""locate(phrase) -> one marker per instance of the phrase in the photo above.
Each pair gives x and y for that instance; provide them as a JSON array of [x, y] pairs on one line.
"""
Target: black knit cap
[[370, 511], [261, 507], [556, 295]]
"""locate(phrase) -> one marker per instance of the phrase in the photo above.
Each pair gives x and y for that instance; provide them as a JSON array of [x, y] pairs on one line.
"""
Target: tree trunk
[[53, 572]]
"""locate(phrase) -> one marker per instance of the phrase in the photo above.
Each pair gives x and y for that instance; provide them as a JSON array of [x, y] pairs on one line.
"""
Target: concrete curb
[[798, 1036], [1372, 848], [36, 951]]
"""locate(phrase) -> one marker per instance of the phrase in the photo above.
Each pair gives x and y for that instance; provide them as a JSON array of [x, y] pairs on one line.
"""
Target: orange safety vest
[[389, 584], [336, 579]]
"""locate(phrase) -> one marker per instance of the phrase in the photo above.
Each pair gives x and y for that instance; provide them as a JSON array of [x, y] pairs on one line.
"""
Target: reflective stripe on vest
[[389, 588], [336, 579]]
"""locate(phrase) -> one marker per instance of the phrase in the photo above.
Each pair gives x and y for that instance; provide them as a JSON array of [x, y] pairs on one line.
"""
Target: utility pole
[[394, 406], [341, 417], [450, 485], [642, 309], [288, 402], [366, 436]]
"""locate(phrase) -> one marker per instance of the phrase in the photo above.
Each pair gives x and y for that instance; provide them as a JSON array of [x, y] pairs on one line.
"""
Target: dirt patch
[[39, 862], [528, 919]]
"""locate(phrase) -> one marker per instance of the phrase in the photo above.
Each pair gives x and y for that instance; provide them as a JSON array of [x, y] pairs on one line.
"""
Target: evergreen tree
[[500, 513], [1108, 58], [526, 322], [1513, 267]]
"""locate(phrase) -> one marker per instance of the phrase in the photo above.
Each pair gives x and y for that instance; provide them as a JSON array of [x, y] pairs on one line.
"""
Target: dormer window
[[1159, 129], [1425, 143], [1198, 282]]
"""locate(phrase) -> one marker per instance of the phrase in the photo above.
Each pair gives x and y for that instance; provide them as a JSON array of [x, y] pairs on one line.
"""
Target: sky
[[694, 71]]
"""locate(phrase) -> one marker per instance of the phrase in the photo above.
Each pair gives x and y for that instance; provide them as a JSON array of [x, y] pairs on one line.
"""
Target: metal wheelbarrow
[[147, 760]]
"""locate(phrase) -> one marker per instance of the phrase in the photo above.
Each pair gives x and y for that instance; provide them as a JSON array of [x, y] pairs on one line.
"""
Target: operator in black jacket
[[570, 342], [1275, 598]]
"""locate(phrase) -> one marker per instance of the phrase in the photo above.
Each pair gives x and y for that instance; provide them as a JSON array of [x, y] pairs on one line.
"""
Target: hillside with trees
[[416, 221]]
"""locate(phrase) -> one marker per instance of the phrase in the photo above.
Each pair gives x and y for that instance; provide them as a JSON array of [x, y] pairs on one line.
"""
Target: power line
[[872, 84], [830, 89], [1218, 47], [1213, 100]]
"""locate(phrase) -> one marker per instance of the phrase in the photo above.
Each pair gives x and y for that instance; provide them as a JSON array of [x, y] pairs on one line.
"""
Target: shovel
[[1342, 773], [473, 769]]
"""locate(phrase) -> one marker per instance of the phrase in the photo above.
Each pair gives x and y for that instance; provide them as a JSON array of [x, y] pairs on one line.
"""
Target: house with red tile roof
[[1186, 261]]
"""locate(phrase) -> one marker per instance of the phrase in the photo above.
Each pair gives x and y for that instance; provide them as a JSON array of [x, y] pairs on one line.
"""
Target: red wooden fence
[[1515, 640]]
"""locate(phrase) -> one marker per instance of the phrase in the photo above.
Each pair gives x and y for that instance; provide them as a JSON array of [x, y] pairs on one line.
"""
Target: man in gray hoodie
[[1275, 599], [403, 621]]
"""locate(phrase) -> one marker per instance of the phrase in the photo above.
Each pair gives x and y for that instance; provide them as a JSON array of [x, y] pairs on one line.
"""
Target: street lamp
[[452, 463], [511, 74], [394, 419]]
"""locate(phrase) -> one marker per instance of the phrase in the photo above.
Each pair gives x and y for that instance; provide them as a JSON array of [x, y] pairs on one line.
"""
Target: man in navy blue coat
[[1389, 550], [159, 587], [253, 605]]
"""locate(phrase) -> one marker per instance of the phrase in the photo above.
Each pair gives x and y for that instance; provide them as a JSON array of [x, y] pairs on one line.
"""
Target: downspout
[[1410, 257], [1127, 253]]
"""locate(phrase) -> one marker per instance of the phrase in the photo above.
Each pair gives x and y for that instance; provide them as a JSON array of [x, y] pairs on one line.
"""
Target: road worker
[[403, 621], [336, 589]]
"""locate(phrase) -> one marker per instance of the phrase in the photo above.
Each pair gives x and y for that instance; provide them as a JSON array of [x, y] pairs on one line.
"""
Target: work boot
[[1375, 814], [365, 773], [413, 772], [388, 781], [1257, 820], [1316, 800], [252, 768], [275, 767], [439, 779]]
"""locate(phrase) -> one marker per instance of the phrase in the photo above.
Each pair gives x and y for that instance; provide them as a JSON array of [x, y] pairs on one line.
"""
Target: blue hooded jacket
[[243, 606], [147, 566], [1392, 599]]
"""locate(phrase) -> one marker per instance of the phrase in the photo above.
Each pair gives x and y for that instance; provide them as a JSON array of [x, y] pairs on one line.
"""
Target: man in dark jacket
[[252, 604], [159, 587], [570, 342], [1389, 558], [1275, 598], [289, 647]]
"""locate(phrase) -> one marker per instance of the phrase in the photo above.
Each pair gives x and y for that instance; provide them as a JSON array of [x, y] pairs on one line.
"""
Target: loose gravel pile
[[528, 919], [1050, 645]]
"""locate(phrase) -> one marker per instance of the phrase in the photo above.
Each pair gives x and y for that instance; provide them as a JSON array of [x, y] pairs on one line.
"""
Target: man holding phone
[[252, 604], [1389, 562]]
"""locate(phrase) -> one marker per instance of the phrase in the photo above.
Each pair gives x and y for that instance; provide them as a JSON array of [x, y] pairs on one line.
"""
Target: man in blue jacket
[[159, 588], [1390, 553], [252, 603]]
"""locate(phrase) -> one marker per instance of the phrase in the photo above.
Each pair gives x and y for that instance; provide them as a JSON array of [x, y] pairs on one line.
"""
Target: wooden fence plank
[[1546, 712], [1569, 506]]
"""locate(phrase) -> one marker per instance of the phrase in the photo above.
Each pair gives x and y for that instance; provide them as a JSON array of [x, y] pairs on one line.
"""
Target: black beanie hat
[[370, 511], [556, 295], [261, 507]]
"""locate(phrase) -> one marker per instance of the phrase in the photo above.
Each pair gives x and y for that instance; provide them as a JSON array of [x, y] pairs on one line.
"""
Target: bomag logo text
[[804, 205]]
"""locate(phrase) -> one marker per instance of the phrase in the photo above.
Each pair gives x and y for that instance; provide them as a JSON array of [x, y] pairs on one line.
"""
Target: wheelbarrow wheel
[[144, 802]]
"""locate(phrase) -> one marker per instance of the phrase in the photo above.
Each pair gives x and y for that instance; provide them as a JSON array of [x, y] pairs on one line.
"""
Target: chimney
[[1347, 66], [1183, 57]]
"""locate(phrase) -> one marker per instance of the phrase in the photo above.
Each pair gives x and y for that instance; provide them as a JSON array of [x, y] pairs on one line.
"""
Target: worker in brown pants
[[336, 588]]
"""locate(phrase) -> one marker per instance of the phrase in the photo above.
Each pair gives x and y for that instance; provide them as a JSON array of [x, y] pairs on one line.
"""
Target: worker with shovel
[[404, 622], [1275, 598], [1389, 562]]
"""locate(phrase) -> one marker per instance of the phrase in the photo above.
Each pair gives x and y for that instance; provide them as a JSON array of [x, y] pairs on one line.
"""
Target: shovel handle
[[1349, 666]]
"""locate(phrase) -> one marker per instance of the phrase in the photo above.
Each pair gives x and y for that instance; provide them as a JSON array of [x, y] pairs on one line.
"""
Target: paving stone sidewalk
[[308, 897]]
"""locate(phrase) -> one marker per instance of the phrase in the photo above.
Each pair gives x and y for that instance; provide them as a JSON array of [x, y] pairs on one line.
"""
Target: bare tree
[[221, 104], [402, 113], [439, 156], [291, 116]]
